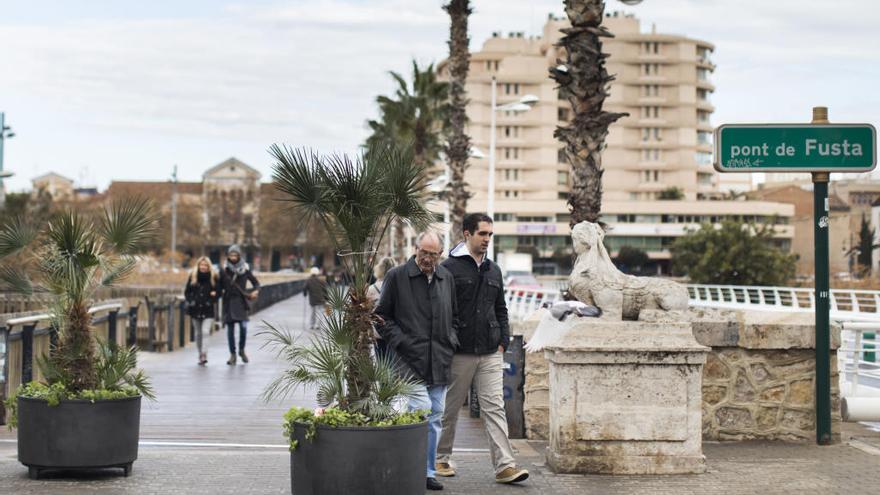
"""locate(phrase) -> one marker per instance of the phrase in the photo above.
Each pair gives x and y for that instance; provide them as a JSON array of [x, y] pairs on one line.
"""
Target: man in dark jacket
[[417, 307], [237, 299], [316, 291], [484, 334]]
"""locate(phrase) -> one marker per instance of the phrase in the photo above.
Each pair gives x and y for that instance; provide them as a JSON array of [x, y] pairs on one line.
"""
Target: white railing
[[857, 311], [846, 304], [523, 302]]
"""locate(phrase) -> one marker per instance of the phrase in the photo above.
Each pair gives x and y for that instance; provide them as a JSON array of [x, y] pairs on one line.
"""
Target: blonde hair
[[194, 274], [381, 269]]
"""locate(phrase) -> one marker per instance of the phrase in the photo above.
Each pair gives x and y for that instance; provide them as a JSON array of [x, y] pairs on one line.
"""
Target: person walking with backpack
[[201, 294], [237, 300], [374, 291], [484, 333], [316, 291]]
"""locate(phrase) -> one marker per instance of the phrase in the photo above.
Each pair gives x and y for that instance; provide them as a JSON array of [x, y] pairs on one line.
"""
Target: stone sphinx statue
[[595, 280]]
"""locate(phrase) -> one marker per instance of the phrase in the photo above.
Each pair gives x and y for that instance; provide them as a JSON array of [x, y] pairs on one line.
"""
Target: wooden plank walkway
[[219, 403]]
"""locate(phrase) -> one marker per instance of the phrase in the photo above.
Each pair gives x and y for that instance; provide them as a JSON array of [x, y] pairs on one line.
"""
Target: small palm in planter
[[359, 443], [86, 414]]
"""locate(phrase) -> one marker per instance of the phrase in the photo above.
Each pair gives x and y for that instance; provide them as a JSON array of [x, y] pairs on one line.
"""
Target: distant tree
[[631, 259], [16, 205], [414, 116], [736, 254], [673, 192], [866, 247]]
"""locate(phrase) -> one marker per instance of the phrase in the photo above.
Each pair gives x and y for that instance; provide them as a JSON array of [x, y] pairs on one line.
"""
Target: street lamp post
[[440, 184], [5, 132], [524, 104]]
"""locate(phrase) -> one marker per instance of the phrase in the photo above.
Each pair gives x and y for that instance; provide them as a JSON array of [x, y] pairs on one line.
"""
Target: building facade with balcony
[[663, 83]]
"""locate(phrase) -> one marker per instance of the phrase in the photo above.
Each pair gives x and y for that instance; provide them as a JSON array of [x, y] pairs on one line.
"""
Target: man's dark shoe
[[244, 358], [433, 484]]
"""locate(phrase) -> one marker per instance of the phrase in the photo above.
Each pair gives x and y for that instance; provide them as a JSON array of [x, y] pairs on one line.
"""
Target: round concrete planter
[[78, 434], [360, 460]]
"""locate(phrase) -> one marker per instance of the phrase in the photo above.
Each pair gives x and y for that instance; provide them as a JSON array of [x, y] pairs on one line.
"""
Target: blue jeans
[[430, 398], [242, 335]]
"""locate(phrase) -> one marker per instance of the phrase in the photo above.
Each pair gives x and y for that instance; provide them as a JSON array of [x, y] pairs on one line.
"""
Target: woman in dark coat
[[201, 294], [237, 300]]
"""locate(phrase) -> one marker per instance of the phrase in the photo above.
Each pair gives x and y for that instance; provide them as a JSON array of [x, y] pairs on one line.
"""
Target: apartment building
[[663, 83]]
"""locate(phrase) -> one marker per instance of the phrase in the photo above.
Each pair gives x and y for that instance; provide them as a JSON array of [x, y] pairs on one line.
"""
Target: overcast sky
[[99, 90]]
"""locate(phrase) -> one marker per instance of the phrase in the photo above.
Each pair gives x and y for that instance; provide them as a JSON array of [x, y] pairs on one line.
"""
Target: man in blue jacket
[[483, 334]]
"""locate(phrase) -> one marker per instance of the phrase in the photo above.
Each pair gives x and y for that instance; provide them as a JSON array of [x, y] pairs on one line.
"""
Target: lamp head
[[529, 99]]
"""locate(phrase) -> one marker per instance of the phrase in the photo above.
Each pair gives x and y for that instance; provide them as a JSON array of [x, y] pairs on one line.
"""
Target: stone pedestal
[[625, 399]]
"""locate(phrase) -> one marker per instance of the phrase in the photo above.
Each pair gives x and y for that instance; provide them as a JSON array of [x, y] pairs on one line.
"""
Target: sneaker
[[231, 360], [244, 358], [511, 474], [444, 469], [433, 484], [203, 358]]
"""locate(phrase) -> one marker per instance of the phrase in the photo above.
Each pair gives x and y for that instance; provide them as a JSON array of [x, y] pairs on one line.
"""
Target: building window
[[651, 155], [650, 90], [650, 69], [511, 88], [702, 74], [492, 65], [704, 179], [511, 174], [562, 195], [561, 156], [562, 178], [511, 153], [504, 217], [703, 158], [703, 94], [650, 112], [703, 116], [704, 137], [562, 114], [651, 133]]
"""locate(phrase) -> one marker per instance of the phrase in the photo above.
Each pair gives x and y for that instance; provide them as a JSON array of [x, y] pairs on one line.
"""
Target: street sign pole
[[823, 334]]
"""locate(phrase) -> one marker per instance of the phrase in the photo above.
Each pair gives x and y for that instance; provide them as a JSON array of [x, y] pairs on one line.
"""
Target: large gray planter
[[360, 460], [78, 434]]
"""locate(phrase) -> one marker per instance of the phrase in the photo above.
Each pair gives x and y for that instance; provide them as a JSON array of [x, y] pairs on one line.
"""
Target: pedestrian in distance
[[316, 291], [374, 291], [484, 334], [237, 300], [416, 312], [201, 294]]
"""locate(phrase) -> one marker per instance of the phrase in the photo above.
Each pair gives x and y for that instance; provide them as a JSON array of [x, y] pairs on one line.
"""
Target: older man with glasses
[[417, 309]]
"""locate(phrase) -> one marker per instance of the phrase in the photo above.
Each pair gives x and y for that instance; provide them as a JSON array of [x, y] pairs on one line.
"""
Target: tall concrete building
[[663, 83]]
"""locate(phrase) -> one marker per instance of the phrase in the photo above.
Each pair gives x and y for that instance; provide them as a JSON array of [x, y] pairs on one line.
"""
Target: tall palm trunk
[[458, 143], [75, 354], [583, 81]]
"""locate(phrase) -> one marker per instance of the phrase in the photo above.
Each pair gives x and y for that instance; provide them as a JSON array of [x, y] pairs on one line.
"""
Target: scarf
[[239, 268]]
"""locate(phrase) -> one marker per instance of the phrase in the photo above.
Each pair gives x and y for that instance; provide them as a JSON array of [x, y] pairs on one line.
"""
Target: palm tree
[[70, 259], [583, 81], [458, 145], [356, 202], [414, 116]]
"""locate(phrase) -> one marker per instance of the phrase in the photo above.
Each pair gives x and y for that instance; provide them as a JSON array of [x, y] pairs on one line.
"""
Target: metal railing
[[156, 322], [523, 302], [845, 304], [857, 357]]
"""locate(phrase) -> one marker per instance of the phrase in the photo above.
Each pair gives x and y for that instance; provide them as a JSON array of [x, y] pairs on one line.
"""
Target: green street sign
[[795, 148]]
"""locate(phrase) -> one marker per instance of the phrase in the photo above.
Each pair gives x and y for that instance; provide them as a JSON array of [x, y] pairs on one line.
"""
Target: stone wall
[[536, 409], [758, 381]]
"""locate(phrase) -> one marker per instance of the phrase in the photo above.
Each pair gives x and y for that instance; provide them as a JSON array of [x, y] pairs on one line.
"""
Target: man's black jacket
[[482, 311], [419, 318]]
